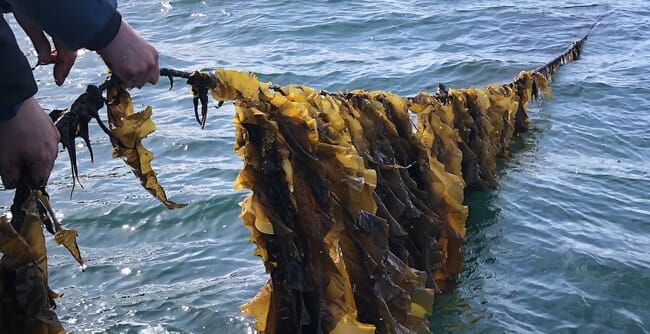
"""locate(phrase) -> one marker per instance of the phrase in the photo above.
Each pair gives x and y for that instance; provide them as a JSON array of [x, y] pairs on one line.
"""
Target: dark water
[[562, 246]]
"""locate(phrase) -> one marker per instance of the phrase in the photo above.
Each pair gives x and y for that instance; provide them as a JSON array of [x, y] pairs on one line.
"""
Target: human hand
[[29, 146], [62, 58], [131, 58]]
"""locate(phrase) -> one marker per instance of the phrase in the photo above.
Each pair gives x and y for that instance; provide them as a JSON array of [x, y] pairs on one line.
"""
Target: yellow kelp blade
[[128, 129], [348, 325], [68, 238], [259, 307], [14, 245]]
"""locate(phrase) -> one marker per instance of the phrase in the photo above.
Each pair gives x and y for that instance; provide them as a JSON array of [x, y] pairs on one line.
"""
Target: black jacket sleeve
[[90, 24], [4, 7], [16, 79]]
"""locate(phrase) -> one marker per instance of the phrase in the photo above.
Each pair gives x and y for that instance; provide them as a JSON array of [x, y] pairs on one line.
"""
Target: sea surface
[[562, 245]]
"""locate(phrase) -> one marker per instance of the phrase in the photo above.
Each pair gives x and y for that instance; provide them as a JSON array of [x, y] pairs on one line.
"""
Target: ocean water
[[561, 246]]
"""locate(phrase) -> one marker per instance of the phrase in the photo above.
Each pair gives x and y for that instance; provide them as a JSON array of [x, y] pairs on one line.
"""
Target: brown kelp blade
[[14, 245], [345, 193], [128, 128], [329, 175]]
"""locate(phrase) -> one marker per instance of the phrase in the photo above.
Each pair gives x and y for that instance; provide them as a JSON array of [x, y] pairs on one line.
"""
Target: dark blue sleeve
[[16, 80], [90, 24]]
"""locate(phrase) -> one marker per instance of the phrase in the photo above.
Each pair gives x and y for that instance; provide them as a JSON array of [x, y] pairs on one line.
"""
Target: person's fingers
[[39, 165], [30, 146], [128, 82], [39, 172], [131, 58], [64, 61], [125, 78], [35, 33], [9, 173], [43, 49], [131, 78], [154, 76], [150, 75], [154, 72]]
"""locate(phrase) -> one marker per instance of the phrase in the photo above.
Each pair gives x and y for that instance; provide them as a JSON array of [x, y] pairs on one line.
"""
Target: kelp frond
[[128, 128]]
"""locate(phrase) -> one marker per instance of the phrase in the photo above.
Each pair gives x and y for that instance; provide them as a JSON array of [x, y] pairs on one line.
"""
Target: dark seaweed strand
[[549, 69], [201, 85], [572, 53], [171, 73]]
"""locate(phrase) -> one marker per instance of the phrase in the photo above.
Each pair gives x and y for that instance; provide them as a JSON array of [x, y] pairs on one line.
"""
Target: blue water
[[561, 246]]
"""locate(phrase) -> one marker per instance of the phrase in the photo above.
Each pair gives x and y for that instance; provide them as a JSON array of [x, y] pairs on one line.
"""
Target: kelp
[[358, 215], [26, 301], [128, 128]]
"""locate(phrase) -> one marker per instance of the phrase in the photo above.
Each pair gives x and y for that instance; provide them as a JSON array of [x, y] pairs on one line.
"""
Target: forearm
[[90, 24]]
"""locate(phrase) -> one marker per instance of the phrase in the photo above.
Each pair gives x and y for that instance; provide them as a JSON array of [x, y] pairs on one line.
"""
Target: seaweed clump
[[26, 301], [357, 215], [127, 128]]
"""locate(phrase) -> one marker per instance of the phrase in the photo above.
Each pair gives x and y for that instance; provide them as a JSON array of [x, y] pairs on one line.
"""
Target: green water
[[561, 246]]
